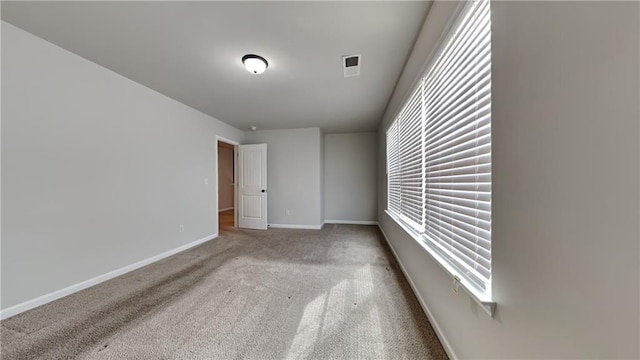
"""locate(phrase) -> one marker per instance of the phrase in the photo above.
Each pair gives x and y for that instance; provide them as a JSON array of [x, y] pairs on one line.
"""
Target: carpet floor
[[335, 293]]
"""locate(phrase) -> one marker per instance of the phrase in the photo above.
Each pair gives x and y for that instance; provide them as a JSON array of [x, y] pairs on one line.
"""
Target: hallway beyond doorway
[[225, 219]]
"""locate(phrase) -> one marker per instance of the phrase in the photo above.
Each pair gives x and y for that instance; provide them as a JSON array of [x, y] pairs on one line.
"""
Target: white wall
[[225, 176], [97, 171], [565, 189], [322, 179], [294, 173], [350, 178]]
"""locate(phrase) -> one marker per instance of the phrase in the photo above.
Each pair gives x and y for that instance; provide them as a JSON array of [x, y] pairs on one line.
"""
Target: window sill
[[485, 302]]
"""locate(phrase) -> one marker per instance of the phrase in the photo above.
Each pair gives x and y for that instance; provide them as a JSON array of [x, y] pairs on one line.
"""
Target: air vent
[[351, 65]]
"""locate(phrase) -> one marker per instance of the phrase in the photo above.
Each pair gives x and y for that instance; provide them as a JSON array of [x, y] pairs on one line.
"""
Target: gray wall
[[322, 180], [565, 189], [350, 181], [225, 176], [97, 171], [294, 173]]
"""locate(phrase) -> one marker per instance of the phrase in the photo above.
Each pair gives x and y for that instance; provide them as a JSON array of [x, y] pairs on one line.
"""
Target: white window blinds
[[412, 162], [440, 149], [393, 169]]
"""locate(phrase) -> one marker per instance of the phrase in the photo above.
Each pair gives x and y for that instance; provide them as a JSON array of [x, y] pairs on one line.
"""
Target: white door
[[252, 186]]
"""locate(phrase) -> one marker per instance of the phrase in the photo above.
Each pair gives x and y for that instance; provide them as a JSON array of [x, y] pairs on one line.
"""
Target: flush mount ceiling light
[[255, 64]]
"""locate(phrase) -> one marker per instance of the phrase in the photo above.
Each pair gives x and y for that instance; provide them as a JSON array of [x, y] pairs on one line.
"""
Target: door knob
[[263, 190]]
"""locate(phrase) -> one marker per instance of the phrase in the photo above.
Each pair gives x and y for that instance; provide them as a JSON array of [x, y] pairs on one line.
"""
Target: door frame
[[235, 179]]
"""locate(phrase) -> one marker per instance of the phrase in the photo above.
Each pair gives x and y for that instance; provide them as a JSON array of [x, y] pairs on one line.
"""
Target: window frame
[[450, 264]]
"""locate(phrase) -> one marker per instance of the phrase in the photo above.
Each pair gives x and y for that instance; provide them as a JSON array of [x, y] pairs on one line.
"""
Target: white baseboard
[[318, 227], [225, 209], [425, 308], [291, 226], [351, 222], [41, 300]]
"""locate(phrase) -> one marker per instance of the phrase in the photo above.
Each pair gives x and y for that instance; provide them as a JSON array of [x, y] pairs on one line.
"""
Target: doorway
[[226, 185]]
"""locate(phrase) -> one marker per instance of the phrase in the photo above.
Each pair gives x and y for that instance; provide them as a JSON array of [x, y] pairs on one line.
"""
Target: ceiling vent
[[351, 65]]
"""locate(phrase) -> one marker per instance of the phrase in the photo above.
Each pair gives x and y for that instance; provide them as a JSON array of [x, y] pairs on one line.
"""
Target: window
[[439, 153]]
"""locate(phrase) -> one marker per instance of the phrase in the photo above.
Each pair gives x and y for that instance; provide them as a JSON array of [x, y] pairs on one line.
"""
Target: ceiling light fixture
[[255, 64]]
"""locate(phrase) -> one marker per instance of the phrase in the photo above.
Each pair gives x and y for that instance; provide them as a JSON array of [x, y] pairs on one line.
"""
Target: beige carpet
[[334, 293]]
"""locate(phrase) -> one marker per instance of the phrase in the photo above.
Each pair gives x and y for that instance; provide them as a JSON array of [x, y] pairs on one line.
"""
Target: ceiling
[[191, 51]]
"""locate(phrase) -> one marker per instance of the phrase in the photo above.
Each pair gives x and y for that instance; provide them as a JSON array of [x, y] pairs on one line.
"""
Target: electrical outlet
[[206, 181], [181, 228], [288, 212], [455, 285]]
